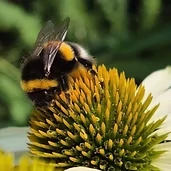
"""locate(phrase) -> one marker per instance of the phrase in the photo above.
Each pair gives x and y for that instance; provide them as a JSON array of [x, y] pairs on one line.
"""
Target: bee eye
[[45, 92]]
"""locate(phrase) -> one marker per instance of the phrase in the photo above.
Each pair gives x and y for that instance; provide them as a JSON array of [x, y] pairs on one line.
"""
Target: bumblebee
[[45, 71]]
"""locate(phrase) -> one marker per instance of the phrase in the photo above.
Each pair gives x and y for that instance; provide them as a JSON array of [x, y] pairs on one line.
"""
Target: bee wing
[[45, 35], [59, 35], [61, 31], [50, 33]]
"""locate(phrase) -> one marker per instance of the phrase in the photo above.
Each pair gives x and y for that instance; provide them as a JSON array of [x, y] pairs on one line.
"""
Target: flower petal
[[14, 139], [157, 82], [163, 162], [164, 109], [81, 168]]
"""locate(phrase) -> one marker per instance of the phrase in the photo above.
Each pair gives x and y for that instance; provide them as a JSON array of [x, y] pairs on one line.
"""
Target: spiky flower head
[[102, 122]]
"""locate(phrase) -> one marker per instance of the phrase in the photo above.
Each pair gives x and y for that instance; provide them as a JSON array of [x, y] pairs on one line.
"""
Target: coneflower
[[102, 122]]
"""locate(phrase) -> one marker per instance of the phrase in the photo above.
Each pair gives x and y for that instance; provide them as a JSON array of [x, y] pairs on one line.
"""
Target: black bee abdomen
[[41, 97], [34, 69]]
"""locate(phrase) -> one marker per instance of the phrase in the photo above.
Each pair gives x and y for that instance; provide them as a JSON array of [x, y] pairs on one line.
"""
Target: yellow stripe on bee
[[64, 48], [67, 51], [30, 86]]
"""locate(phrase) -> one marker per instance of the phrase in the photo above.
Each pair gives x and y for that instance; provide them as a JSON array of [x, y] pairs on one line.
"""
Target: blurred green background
[[132, 35]]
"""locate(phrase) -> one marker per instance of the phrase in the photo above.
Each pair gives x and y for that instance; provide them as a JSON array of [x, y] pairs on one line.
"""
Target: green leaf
[[12, 16]]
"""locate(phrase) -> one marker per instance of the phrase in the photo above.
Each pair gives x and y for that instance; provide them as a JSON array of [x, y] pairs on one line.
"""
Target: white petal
[[163, 162], [157, 82], [14, 139], [81, 169], [164, 109]]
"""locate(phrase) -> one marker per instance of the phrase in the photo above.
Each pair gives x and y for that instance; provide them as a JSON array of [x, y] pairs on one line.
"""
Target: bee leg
[[64, 82], [63, 85], [93, 72]]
